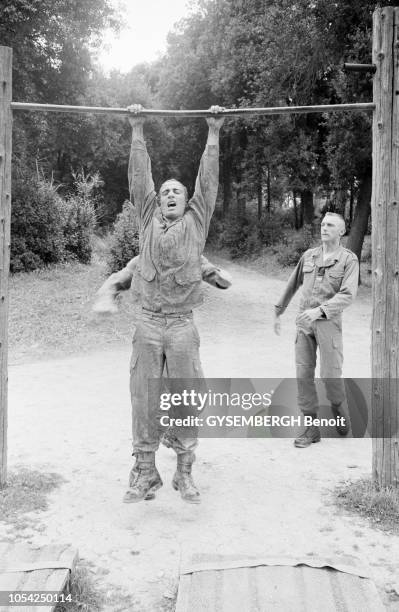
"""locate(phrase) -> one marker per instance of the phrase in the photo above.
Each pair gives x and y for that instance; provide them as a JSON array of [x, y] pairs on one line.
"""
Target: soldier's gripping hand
[[135, 117], [217, 121]]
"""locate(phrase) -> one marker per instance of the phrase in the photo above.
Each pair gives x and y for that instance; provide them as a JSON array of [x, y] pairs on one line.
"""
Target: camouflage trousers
[[325, 335], [162, 343]]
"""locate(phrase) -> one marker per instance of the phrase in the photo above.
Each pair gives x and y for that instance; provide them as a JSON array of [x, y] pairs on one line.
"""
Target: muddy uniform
[[330, 284], [126, 278], [169, 275]]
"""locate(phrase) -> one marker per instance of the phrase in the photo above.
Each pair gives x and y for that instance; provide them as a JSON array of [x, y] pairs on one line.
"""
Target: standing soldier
[[329, 275], [172, 239]]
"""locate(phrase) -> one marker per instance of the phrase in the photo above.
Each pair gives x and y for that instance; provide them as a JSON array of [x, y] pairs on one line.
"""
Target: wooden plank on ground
[[24, 568]]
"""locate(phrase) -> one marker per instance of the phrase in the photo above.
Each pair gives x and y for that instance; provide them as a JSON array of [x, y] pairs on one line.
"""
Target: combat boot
[[309, 436], [134, 472], [343, 426], [183, 481], [144, 479]]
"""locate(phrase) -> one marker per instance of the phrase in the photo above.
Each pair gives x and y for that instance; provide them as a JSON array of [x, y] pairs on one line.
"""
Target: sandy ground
[[72, 416]]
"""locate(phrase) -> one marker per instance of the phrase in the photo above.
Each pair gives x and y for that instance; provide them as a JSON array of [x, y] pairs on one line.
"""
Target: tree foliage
[[234, 53]]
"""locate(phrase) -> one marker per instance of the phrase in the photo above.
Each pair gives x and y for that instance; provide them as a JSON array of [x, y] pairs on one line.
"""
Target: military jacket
[[330, 284], [170, 254]]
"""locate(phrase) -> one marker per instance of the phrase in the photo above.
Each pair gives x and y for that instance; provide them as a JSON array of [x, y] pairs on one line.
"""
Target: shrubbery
[[46, 228], [79, 223], [37, 235], [124, 243], [248, 235], [80, 217], [295, 243]]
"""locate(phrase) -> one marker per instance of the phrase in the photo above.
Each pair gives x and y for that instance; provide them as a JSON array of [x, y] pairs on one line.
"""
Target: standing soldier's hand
[[308, 316], [277, 325], [216, 122]]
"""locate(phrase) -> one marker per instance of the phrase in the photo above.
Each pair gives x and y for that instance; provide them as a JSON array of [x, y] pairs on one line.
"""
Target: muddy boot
[[183, 481], [144, 479], [134, 472]]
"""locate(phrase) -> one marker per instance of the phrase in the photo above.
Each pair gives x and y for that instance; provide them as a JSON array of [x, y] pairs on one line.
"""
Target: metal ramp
[[277, 584]]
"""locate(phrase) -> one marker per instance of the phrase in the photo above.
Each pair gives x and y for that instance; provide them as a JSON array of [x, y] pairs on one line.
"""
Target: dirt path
[[72, 416]]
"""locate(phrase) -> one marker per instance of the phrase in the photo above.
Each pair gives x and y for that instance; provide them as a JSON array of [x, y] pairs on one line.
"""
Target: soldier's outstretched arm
[[141, 185], [202, 204]]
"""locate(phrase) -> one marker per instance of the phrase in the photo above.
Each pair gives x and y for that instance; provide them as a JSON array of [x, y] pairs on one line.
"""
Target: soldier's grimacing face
[[173, 200], [332, 228]]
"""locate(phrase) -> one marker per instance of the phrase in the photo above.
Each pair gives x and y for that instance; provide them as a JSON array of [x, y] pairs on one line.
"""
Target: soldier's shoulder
[[350, 255]]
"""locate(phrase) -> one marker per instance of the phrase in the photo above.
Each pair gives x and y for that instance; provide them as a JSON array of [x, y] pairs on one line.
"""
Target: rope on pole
[[230, 112]]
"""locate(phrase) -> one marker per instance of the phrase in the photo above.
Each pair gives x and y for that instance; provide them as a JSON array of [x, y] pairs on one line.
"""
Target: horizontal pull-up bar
[[230, 112]]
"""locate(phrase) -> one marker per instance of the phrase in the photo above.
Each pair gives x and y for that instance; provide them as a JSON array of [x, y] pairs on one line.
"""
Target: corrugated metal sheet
[[213, 583]]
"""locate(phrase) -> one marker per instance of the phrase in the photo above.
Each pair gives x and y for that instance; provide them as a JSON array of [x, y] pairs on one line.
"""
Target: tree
[[52, 42]]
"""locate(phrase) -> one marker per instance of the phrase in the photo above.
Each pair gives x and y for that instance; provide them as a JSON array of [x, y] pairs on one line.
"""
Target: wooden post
[[385, 247], [5, 214]]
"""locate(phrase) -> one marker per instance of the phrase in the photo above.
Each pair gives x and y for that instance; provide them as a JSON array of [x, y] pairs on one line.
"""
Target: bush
[[124, 243], [37, 236], [271, 228], [79, 221], [247, 236], [240, 237], [294, 245], [46, 228], [80, 217]]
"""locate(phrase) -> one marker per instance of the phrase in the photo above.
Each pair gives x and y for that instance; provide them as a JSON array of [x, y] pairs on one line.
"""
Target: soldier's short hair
[[337, 215]]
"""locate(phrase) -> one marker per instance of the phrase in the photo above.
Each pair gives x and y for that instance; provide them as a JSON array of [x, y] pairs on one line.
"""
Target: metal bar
[[360, 67], [230, 112]]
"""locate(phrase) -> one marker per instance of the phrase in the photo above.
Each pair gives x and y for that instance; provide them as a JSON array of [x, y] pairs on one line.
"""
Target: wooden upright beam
[[385, 249], [5, 215]]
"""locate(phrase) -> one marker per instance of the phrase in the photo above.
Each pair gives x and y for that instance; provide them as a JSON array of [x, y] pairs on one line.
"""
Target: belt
[[176, 315]]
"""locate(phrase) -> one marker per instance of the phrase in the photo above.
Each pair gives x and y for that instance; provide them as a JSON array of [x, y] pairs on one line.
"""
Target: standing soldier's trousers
[[159, 340], [327, 335]]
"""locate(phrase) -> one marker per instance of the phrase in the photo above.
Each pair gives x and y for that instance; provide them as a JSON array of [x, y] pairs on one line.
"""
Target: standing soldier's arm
[[347, 291], [293, 284], [202, 204], [141, 185]]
